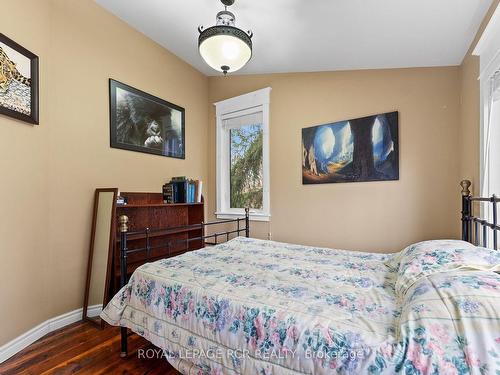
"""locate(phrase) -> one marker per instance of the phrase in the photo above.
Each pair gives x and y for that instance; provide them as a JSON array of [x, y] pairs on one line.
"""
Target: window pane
[[494, 152], [246, 166]]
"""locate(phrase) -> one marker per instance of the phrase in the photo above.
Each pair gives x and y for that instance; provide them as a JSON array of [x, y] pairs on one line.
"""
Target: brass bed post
[[123, 276], [466, 210]]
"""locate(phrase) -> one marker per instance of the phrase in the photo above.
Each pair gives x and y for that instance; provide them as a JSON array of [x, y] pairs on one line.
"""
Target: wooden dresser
[[147, 210]]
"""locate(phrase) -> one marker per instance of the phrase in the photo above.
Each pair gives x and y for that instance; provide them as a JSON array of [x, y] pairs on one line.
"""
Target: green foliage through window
[[246, 166]]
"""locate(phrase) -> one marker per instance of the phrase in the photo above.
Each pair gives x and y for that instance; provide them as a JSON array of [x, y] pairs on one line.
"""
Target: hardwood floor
[[81, 348]]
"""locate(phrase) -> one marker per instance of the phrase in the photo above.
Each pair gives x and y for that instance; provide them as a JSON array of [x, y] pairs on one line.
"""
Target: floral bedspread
[[260, 307]]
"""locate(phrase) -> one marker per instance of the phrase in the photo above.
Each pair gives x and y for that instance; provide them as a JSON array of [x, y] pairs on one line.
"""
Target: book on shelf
[[191, 192], [168, 193], [182, 190], [187, 198], [178, 179], [198, 188]]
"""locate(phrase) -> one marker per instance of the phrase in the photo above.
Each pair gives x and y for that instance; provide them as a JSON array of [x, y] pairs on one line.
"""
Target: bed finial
[[465, 184], [123, 223]]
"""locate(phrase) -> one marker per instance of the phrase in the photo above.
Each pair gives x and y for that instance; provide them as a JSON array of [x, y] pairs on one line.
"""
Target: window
[[243, 155], [491, 138], [488, 50]]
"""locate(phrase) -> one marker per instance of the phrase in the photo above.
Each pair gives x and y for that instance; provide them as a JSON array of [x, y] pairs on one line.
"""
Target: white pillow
[[428, 257]]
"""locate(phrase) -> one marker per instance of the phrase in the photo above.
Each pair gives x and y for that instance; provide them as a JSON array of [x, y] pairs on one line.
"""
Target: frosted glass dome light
[[224, 47]]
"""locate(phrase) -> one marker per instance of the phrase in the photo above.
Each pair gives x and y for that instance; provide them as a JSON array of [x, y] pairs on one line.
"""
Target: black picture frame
[[33, 117], [146, 108]]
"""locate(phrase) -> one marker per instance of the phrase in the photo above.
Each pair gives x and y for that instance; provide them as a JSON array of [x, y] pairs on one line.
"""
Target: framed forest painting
[[18, 81], [356, 150], [142, 122]]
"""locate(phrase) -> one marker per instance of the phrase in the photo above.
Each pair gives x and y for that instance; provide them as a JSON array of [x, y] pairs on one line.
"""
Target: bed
[[250, 306]]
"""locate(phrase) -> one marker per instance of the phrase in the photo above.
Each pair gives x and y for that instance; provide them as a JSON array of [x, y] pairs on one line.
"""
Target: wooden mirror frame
[[91, 253]]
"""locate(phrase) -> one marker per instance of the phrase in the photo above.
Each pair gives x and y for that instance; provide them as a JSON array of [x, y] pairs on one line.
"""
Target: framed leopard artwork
[[18, 81]]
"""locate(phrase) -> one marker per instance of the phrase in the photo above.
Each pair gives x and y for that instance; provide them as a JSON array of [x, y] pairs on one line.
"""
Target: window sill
[[234, 215]]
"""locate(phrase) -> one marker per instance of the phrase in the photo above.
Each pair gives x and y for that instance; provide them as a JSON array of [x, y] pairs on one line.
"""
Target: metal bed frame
[[471, 224], [125, 251], [470, 233]]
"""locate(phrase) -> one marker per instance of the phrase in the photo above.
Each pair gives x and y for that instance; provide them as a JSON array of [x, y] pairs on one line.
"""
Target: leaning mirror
[[100, 254]]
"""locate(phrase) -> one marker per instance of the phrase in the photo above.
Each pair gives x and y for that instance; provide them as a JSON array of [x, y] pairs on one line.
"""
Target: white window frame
[[257, 101], [488, 50]]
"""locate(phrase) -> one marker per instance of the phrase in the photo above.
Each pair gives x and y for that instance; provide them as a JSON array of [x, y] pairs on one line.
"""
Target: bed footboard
[[242, 226]]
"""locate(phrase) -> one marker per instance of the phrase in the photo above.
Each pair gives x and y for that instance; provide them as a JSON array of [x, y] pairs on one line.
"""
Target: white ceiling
[[317, 35]]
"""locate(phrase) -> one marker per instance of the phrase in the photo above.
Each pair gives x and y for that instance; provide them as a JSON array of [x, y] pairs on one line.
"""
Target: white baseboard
[[19, 343]]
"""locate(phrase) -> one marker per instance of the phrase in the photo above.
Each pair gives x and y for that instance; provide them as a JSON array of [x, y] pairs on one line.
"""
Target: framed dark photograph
[[144, 123], [356, 150], [18, 81]]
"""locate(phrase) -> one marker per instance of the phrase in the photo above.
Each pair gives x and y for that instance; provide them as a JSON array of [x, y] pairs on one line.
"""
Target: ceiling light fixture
[[224, 47]]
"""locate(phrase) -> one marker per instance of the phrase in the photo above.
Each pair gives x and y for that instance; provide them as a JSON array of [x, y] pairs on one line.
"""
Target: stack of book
[[182, 190], [121, 200]]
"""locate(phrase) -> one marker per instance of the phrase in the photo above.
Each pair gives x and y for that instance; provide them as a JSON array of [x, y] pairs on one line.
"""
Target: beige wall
[[469, 141], [374, 216], [24, 190], [49, 172]]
